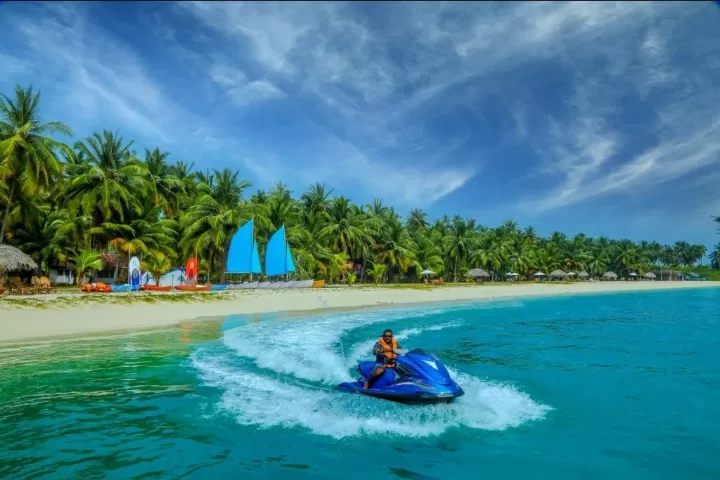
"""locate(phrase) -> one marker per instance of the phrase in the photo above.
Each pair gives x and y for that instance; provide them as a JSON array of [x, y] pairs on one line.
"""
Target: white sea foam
[[263, 380], [266, 402], [306, 348]]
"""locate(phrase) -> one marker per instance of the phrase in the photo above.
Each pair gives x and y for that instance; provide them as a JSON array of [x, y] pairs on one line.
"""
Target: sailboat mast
[[252, 244], [285, 253]]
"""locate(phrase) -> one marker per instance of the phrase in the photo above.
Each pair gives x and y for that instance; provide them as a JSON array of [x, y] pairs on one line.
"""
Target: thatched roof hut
[[477, 272], [558, 274], [13, 260], [611, 275], [583, 274]]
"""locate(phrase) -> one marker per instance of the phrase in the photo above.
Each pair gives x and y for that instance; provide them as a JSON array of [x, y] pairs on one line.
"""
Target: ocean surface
[[611, 386]]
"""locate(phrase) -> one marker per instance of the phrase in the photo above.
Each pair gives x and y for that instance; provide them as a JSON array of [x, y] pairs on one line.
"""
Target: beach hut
[[13, 260], [633, 275], [478, 274], [649, 276], [610, 276], [583, 274], [557, 274]]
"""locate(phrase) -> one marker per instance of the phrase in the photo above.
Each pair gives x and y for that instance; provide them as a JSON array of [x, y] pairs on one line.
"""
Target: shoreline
[[47, 321]]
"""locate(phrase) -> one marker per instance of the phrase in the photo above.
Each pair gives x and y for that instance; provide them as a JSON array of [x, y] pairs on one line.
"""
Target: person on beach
[[384, 351]]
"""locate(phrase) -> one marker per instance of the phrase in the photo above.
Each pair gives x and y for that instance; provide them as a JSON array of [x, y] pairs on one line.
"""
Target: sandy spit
[[24, 323]]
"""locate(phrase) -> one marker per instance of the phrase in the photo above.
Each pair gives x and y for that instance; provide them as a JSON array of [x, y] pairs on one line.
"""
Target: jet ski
[[418, 378]]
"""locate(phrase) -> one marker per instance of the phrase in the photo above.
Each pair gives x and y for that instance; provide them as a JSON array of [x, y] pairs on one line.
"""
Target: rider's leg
[[376, 374]]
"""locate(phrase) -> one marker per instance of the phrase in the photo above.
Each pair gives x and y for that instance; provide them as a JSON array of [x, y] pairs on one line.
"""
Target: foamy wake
[[264, 382]]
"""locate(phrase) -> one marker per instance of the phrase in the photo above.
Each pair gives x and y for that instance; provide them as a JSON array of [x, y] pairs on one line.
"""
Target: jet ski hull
[[410, 383], [406, 397]]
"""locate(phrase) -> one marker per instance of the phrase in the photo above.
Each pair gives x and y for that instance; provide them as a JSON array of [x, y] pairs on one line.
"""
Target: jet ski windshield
[[419, 351]]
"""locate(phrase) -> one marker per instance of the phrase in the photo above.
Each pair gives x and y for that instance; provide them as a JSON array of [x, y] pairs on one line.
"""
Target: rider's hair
[[387, 330]]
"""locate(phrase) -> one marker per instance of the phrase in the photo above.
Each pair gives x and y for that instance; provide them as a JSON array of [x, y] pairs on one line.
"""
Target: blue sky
[[599, 118]]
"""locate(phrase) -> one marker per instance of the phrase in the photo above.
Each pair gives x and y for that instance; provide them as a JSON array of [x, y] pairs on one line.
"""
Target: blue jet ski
[[418, 378]]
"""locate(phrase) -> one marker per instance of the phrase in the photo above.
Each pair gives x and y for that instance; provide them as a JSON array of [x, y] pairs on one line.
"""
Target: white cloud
[[239, 89], [94, 73], [389, 92]]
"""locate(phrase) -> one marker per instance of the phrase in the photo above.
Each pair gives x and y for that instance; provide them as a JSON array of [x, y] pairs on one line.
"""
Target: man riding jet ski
[[408, 377], [384, 351]]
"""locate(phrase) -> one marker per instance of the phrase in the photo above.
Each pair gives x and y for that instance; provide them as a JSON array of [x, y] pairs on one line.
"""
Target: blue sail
[[278, 257], [243, 254]]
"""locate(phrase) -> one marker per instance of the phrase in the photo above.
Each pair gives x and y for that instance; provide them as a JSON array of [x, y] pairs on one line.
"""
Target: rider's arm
[[377, 349]]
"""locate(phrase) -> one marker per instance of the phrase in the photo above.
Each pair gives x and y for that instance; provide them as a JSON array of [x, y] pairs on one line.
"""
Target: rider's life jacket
[[388, 352]]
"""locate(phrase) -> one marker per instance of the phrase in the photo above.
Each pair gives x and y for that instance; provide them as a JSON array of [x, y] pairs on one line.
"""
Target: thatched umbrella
[[477, 272], [557, 274], [612, 275], [583, 274], [12, 260], [649, 275]]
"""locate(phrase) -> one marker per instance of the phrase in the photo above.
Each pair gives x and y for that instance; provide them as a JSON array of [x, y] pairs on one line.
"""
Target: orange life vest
[[388, 352]]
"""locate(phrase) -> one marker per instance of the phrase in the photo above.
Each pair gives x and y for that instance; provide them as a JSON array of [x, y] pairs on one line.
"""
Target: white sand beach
[[45, 318]]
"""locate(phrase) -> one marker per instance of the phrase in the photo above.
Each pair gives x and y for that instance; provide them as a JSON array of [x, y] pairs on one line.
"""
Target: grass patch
[[90, 299]]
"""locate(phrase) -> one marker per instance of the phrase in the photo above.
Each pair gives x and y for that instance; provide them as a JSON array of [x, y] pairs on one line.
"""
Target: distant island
[[91, 204]]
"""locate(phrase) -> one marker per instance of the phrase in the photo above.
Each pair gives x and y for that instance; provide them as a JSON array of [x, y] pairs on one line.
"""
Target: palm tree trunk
[[7, 212], [223, 275], [117, 267], [455, 272]]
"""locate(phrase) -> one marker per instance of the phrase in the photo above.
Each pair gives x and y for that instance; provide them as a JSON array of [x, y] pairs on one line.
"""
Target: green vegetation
[[74, 205]]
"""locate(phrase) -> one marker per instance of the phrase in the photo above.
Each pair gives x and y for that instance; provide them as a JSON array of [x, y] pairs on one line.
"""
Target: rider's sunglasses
[[387, 336]]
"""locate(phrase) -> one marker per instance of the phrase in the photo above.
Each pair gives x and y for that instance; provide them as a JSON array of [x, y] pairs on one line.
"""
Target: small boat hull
[[122, 288], [156, 288], [196, 288]]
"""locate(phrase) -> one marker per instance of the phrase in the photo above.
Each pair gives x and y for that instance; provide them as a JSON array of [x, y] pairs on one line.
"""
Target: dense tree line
[[70, 202]]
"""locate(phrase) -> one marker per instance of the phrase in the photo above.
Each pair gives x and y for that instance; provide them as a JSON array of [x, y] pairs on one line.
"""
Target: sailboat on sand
[[243, 256], [279, 262]]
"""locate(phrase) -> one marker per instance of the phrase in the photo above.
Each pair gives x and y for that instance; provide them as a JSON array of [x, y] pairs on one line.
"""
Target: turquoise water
[[610, 386]]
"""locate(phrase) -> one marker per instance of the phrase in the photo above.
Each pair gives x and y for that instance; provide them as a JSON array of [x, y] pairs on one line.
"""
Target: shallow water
[[605, 386]]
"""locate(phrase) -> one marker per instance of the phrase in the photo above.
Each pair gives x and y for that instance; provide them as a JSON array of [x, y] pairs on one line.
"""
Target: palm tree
[[376, 272], [715, 257], [417, 220], [458, 243], [428, 251], [393, 246], [28, 158], [317, 198], [42, 238], [167, 189], [157, 263], [346, 228], [108, 185], [85, 261]]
